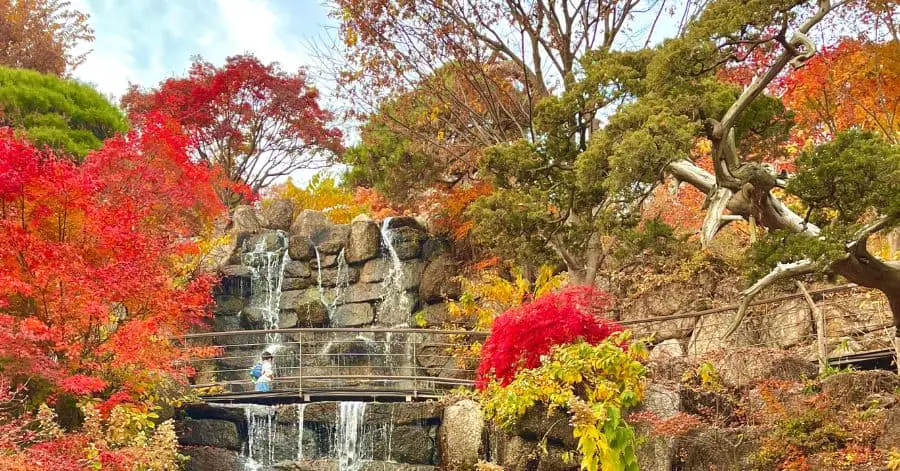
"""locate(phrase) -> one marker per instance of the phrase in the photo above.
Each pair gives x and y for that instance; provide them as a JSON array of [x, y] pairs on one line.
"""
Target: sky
[[146, 41]]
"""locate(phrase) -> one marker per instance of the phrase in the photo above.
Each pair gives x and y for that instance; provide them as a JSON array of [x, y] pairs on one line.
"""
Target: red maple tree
[[522, 335], [254, 120], [88, 291]]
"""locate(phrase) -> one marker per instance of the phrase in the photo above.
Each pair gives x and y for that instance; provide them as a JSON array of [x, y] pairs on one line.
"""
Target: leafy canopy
[[91, 286], [42, 35], [63, 114], [254, 120]]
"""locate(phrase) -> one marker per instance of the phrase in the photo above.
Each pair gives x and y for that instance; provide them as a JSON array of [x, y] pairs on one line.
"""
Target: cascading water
[[300, 430], [266, 278], [350, 444], [395, 304], [341, 282], [261, 430]]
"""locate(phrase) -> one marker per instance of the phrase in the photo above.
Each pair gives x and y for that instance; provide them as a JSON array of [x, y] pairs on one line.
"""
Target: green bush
[[65, 115]]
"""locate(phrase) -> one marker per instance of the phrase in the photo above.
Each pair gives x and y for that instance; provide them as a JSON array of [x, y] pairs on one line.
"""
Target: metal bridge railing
[[338, 361]]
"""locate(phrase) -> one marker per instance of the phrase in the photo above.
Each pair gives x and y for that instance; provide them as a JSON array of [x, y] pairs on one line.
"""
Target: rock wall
[[338, 275], [390, 436], [307, 272]]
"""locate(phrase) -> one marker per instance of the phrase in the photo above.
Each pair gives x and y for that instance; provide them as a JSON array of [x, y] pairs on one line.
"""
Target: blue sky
[[145, 41]]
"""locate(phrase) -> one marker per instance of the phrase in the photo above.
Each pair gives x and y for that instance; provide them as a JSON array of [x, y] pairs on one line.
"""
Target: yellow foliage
[[893, 463], [593, 384], [490, 295], [322, 193]]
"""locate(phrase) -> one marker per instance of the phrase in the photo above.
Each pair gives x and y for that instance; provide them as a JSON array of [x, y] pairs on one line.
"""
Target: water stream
[[350, 444], [261, 430], [266, 278]]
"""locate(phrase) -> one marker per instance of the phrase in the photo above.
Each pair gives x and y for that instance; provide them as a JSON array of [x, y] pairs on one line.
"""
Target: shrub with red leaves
[[522, 335]]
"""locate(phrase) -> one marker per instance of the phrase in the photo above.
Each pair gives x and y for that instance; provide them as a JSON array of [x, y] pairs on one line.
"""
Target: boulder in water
[[407, 241], [374, 270], [410, 444], [308, 306], [353, 315], [300, 248]]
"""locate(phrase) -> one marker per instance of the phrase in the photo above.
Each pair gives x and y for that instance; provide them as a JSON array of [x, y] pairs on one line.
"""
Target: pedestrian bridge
[[336, 363]]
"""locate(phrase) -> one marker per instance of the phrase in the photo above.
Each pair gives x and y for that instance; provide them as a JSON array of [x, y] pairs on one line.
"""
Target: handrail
[[325, 330]]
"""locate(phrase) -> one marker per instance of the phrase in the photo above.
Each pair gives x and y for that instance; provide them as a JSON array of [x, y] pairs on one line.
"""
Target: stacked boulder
[[336, 273]]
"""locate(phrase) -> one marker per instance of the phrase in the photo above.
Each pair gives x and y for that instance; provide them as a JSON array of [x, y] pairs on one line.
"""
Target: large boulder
[[716, 448], [309, 223], [787, 324], [406, 241], [404, 413], [439, 280], [661, 401], [411, 444], [708, 333], [307, 305], [353, 315], [203, 410], [204, 458], [300, 248], [333, 241], [460, 435], [297, 269], [855, 386], [655, 453], [363, 292], [374, 270], [667, 350], [342, 276], [890, 438], [208, 432], [364, 241], [537, 425], [745, 367], [244, 220], [434, 315], [398, 222], [278, 214]]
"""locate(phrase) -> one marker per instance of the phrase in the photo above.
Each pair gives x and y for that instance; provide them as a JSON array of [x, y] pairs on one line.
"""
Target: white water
[[350, 444], [266, 279], [261, 430], [395, 304], [300, 409], [342, 281]]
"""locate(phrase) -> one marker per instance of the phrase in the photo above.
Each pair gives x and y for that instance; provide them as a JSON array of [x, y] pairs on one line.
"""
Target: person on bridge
[[263, 373]]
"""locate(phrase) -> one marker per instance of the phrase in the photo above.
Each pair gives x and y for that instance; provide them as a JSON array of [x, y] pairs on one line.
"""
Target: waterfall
[[394, 299], [266, 278], [341, 281], [350, 441], [261, 430], [300, 409]]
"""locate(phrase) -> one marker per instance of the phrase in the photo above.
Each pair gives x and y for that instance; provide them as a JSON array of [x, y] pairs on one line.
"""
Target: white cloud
[[253, 26]]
